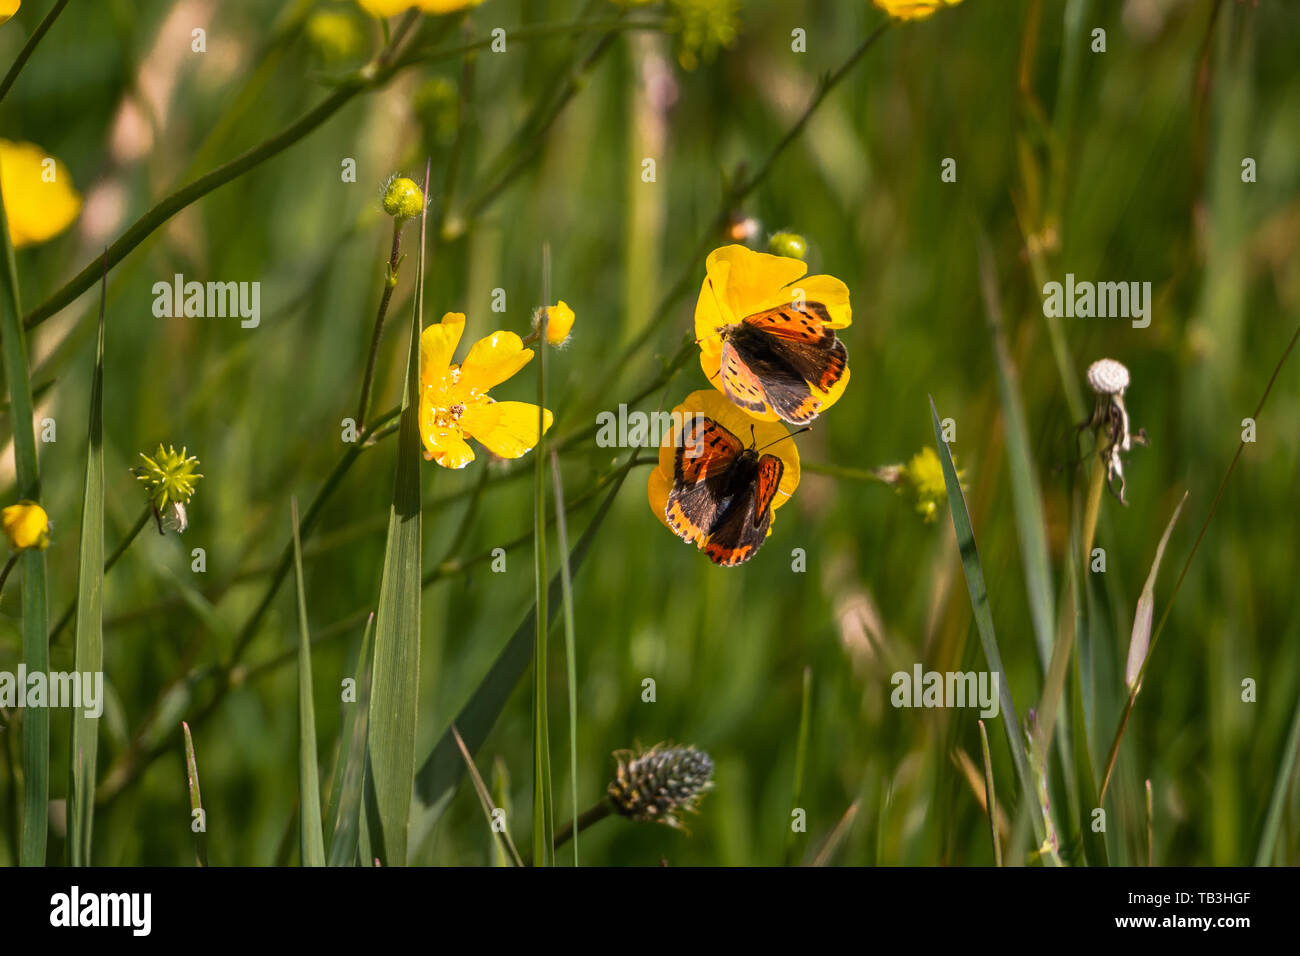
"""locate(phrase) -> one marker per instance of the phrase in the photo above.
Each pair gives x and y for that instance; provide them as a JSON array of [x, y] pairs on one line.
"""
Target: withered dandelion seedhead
[[656, 785], [1109, 422]]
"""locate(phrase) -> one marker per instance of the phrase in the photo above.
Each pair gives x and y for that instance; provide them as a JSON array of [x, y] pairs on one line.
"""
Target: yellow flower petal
[[830, 292], [38, 195], [507, 429], [26, 525], [389, 8], [913, 9], [437, 346], [447, 447], [492, 360], [8, 8]]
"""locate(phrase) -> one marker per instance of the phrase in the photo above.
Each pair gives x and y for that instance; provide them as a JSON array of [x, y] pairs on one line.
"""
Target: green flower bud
[[403, 198], [788, 244]]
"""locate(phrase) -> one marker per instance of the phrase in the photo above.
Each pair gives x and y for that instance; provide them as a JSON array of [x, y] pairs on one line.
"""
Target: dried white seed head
[[1107, 377]]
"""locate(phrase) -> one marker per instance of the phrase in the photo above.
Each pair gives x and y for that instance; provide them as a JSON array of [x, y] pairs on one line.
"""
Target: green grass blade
[[979, 599], [1140, 642], [990, 795], [570, 641], [543, 797], [345, 819], [196, 799], [1031, 520], [800, 757], [1281, 787], [36, 654], [505, 845], [311, 842], [501, 800], [393, 702], [441, 772], [88, 656]]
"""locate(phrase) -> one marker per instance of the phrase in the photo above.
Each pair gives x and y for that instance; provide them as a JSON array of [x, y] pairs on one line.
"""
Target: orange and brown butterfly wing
[[702, 463], [739, 382], [793, 356], [742, 530]]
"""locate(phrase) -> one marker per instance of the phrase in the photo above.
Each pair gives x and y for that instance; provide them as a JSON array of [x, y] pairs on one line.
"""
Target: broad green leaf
[[88, 655], [979, 599], [393, 702], [36, 657], [311, 842], [346, 820]]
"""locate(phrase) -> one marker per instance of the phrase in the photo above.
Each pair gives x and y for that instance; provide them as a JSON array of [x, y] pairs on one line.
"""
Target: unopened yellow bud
[[403, 198]]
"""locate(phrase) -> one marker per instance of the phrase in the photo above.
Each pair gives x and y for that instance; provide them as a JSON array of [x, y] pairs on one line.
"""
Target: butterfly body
[[722, 493], [785, 359]]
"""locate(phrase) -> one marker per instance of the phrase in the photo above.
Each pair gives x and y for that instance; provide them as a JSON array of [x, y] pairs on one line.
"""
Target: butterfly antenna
[[806, 428]]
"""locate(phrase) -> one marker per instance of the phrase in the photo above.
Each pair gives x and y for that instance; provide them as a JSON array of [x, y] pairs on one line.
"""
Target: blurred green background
[[1124, 166]]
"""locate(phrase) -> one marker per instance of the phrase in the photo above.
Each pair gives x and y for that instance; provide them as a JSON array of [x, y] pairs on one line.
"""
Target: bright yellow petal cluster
[[913, 9], [38, 195], [8, 8], [454, 401], [740, 282], [27, 526], [737, 421], [390, 8], [559, 323]]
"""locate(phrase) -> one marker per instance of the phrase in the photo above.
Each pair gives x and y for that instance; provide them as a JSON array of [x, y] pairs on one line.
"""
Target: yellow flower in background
[[27, 526], [38, 195], [454, 400], [8, 8], [715, 405], [559, 323], [740, 282], [913, 9], [389, 8]]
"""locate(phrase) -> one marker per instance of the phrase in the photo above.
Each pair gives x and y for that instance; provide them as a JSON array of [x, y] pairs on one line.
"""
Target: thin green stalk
[[1281, 787], [30, 46], [800, 756], [570, 642], [390, 283], [36, 722], [587, 819], [9, 566], [1151, 828], [66, 617], [485, 801], [543, 805], [369, 77]]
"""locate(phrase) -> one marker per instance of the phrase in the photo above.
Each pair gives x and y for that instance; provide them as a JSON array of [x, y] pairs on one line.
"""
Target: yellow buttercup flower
[[27, 526], [559, 323], [8, 8], [740, 282], [38, 195], [716, 406], [913, 9], [454, 400], [390, 8]]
